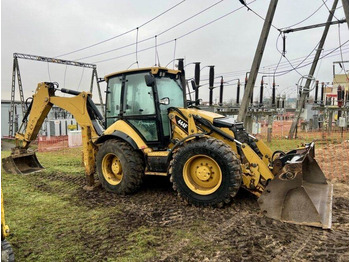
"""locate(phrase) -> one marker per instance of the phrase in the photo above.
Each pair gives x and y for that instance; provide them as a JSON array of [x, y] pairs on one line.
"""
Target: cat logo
[[182, 124]]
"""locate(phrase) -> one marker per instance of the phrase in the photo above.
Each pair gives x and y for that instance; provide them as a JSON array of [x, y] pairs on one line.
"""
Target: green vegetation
[[52, 218], [286, 145]]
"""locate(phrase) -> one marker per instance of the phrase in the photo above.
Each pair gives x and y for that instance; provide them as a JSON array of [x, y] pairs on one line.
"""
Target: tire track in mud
[[237, 232], [258, 238]]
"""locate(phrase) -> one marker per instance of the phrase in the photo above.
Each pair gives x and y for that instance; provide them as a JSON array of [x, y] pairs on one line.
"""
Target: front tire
[[119, 167], [206, 172]]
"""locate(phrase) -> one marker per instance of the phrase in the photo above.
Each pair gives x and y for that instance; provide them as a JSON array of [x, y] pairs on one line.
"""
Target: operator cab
[[142, 97]]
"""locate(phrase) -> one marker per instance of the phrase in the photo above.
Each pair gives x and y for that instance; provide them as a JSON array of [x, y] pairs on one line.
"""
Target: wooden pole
[[311, 73], [256, 62]]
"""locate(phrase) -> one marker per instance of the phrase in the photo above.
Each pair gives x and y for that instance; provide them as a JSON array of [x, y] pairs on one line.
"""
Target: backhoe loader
[[149, 129], [7, 254]]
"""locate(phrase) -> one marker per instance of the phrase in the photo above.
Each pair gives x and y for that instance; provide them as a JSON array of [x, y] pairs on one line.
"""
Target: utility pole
[[346, 10], [311, 73], [256, 62]]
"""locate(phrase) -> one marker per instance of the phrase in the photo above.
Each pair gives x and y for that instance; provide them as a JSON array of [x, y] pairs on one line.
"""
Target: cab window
[[139, 106], [170, 88], [113, 100], [138, 99]]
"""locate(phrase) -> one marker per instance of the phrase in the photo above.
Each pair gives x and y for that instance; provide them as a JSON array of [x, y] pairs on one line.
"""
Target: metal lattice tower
[[16, 72]]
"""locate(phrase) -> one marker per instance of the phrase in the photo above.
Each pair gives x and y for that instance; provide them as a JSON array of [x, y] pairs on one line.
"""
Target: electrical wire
[[283, 65], [122, 34], [174, 53], [131, 65], [182, 36], [235, 74], [319, 65], [279, 61], [64, 77], [156, 52], [278, 64], [48, 70], [301, 66], [330, 11], [280, 56], [284, 55], [137, 40], [81, 78], [341, 53], [305, 18], [150, 38], [250, 9]]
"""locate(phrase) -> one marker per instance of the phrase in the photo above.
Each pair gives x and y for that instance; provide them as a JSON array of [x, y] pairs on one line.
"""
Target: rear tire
[[120, 168], [7, 254], [206, 172]]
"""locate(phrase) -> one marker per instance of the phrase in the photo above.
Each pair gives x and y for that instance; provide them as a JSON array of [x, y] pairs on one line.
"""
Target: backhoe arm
[[43, 100], [80, 106]]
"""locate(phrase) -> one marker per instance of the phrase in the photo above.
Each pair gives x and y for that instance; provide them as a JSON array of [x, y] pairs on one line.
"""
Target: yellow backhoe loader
[[7, 254], [149, 129]]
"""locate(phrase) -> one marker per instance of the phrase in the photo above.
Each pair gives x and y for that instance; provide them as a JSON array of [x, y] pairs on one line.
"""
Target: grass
[[49, 221], [37, 219], [289, 144], [52, 218], [40, 221]]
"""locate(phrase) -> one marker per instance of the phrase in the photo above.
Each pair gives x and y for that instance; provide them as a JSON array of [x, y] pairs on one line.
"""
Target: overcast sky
[[52, 28]]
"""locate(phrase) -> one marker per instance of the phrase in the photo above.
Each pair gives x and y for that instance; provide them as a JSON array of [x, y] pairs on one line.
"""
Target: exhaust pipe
[[299, 193], [21, 162]]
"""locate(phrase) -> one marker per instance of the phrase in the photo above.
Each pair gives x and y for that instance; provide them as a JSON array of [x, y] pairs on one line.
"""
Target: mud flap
[[299, 194], [21, 164]]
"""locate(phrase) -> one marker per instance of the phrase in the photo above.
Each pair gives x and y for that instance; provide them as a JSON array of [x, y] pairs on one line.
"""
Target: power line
[[306, 17], [81, 78], [301, 66], [152, 37], [324, 3], [48, 70], [249, 9], [284, 55], [122, 34], [341, 53], [182, 36], [235, 74], [282, 65]]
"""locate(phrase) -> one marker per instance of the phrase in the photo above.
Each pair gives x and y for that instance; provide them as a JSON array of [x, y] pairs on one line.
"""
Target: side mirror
[[194, 86], [149, 80], [164, 101]]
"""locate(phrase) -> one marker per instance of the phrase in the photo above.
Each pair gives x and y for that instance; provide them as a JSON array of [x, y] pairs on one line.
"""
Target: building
[[57, 122], [341, 82]]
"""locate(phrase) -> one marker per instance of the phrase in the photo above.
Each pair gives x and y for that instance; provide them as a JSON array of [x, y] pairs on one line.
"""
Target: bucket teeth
[[21, 164], [299, 193]]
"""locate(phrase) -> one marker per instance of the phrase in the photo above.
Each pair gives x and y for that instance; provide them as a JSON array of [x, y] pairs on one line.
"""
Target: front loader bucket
[[21, 163], [299, 193]]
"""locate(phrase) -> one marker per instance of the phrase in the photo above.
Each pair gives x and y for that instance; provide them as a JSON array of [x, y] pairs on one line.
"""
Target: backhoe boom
[[80, 106]]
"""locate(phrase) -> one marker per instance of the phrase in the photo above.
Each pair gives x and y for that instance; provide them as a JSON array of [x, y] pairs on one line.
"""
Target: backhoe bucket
[[21, 163], [299, 193]]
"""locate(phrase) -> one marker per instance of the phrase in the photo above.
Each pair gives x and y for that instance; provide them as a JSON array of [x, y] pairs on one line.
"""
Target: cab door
[[139, 108], [168, 89]]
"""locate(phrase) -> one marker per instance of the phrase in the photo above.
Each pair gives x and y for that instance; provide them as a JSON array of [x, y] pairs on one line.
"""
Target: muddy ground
[[178, 232], [237, 232]]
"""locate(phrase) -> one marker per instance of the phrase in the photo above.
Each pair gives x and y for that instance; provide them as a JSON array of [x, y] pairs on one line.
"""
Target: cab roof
[[153, 71]]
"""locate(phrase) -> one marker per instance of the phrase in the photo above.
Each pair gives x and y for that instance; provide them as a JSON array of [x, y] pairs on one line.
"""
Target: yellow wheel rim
[[112, 169], [202, 174]]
